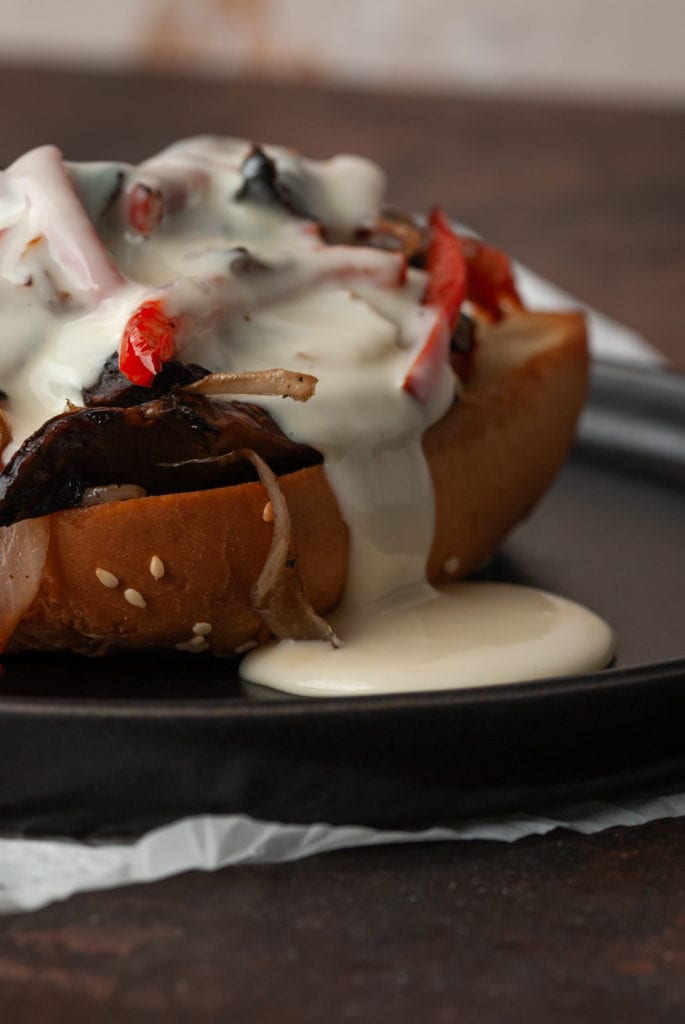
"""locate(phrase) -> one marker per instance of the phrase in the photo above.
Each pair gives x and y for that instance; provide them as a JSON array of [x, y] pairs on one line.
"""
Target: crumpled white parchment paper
[[34, 872]]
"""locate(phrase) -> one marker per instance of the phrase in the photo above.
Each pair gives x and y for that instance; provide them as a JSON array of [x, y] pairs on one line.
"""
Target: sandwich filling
[[119, 283]]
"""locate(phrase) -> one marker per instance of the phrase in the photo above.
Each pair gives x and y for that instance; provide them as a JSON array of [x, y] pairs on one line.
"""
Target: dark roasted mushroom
[[113, 388], [463, 345], [261, 182], [170, 444]]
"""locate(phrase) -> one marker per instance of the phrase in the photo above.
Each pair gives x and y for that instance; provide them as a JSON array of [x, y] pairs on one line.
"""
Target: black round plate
[[116, 746]]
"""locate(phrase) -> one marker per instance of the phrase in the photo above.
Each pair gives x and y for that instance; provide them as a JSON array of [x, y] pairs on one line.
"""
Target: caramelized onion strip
[[286, 383], [278, 596]]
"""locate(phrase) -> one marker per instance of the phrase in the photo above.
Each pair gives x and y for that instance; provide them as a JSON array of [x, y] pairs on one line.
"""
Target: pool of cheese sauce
[[462, 635], [358, 336]]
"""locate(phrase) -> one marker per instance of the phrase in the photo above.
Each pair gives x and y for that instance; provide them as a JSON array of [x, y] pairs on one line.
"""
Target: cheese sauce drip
[[242, 265]]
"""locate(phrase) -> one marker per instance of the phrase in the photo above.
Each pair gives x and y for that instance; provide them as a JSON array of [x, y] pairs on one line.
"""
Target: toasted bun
[[491, 457]]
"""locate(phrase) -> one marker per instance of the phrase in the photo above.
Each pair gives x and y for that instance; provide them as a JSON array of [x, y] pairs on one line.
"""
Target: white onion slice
[[111, 492], [5, 433], [23, 548], [286, 383], [75, 245], [278, 596]]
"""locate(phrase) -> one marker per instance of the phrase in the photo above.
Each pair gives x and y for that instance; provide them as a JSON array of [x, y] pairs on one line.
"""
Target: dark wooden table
[[562, 928]]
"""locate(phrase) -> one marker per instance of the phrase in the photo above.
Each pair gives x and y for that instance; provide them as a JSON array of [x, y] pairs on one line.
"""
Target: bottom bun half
[[491, 457]]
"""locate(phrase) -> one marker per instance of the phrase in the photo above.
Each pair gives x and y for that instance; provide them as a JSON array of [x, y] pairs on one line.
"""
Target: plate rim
[[598, 682]]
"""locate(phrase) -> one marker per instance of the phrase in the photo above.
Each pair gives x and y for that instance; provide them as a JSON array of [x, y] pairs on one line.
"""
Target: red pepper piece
[[425, 371], [446, 291], [445, 264], [146, 208], [148, 341], [490, 279]]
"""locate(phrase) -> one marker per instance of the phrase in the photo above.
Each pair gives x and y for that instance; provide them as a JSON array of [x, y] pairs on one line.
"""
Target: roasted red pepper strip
[[146, 208], [148, 341], [446, 267], [425, 371], [490, 279], [446, 291]]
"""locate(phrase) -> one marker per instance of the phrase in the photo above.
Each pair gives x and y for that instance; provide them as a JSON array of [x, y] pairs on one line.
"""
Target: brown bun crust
[[496, 453], [491, 457]]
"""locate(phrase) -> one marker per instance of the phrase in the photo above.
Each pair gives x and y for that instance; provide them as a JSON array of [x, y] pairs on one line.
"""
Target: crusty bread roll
[[491, 458]]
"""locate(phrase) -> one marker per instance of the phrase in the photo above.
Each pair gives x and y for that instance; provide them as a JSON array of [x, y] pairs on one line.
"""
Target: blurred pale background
[[603, 49]]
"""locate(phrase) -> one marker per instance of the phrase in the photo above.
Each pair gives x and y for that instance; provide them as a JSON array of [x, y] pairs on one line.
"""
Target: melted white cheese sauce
[[464, 635], [72, 271]]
